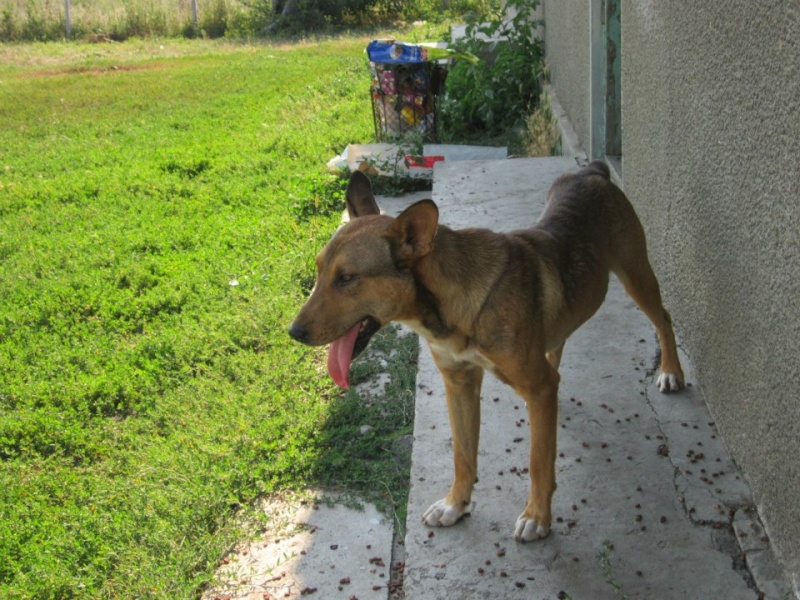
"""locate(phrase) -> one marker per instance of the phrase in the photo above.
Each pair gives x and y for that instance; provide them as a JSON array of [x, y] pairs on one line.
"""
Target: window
[[606, 106]]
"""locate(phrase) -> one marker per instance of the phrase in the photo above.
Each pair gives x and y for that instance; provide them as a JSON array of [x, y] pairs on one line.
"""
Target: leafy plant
[[390, 174], [504, 87]]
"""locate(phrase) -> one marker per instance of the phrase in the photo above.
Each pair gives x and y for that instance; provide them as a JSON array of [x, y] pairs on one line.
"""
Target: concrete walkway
[[649, 503]]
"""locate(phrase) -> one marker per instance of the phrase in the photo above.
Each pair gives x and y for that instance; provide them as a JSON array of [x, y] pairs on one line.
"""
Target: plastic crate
[[405, 97]]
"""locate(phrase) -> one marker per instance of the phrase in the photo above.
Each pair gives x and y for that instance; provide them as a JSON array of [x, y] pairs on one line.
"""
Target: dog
[[505, 302]]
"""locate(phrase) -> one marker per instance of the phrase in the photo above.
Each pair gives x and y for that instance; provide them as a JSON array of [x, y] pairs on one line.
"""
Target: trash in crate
[[404, 98], [406, 82]]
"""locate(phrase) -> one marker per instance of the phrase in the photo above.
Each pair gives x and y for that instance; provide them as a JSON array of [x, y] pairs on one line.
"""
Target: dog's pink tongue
[[339, 357]]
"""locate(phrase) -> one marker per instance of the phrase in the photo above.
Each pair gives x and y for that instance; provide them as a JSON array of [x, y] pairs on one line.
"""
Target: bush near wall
[[499, 92]]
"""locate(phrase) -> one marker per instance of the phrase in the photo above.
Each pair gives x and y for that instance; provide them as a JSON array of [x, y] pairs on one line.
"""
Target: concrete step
[[649, 502]]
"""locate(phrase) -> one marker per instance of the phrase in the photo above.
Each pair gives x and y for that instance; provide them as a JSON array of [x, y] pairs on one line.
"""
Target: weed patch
[[369, 426]]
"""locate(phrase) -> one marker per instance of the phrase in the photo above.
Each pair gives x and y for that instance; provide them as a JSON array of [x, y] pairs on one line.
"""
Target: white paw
[[528, 530], [442, 514], [669, 382]]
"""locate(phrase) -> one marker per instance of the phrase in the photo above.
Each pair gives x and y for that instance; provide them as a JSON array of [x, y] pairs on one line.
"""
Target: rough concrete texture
[[711, 136], [313, 549], [649, 503]]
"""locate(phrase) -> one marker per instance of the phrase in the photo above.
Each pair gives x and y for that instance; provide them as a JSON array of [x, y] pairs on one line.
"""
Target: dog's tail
[[599, 167]]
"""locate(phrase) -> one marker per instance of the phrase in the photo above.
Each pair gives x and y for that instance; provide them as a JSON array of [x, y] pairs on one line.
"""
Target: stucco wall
[[566, 37], [711, 160]]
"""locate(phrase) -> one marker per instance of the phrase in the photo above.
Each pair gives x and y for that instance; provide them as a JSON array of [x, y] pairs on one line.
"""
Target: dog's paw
[[528, 530], [442, 514], [669, 382]]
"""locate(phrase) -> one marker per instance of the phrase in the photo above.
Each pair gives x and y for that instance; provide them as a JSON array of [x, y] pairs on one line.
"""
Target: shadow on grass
[[368, 431]]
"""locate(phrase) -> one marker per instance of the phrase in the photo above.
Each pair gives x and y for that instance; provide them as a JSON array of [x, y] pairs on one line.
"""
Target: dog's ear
[[360, 201], [415, 229]]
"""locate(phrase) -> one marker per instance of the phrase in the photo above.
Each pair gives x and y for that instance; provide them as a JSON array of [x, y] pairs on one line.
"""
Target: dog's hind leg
[[463, 389], [628, 261], [641, 284]]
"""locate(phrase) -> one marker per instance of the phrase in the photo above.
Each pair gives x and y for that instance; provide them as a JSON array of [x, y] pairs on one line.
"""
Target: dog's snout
[[298, 332]]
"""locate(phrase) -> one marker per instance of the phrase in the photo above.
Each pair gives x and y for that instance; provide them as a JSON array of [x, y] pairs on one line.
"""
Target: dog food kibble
[[308, 590]]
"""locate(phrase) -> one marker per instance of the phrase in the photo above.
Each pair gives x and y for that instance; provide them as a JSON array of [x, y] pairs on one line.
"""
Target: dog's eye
[[346, 278]]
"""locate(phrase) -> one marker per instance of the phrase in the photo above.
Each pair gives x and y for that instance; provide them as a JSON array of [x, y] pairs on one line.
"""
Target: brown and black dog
[[506, 302]]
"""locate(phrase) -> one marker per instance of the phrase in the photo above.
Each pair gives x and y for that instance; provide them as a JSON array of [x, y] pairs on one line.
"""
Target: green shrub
[[214, 20], [297, 16], [501, 90], [41, 22]]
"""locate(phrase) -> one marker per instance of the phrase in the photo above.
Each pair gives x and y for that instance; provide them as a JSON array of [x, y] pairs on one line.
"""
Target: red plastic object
[[425, 162]]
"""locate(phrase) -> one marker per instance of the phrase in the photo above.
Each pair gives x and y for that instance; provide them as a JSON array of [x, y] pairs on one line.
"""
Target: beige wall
[[566, 26], [711, 160]]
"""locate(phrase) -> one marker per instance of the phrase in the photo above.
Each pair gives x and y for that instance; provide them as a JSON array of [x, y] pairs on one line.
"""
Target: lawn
[[160, 207]]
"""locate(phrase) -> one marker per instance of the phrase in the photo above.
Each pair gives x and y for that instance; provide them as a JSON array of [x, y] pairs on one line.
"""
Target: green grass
[[160, 207]]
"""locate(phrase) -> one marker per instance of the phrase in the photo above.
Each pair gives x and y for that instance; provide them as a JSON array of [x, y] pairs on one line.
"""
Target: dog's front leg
[[463, 389], [541, 397]]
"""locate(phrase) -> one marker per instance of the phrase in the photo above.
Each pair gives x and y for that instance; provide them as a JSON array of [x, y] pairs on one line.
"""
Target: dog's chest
[[470, 354], [452, 351]]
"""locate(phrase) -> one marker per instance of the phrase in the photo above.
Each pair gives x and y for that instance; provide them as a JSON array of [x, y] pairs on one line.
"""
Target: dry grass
[[104, 20], [543, 135]]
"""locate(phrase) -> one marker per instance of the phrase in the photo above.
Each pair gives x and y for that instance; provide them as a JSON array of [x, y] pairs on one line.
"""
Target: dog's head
[[364, 276]]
